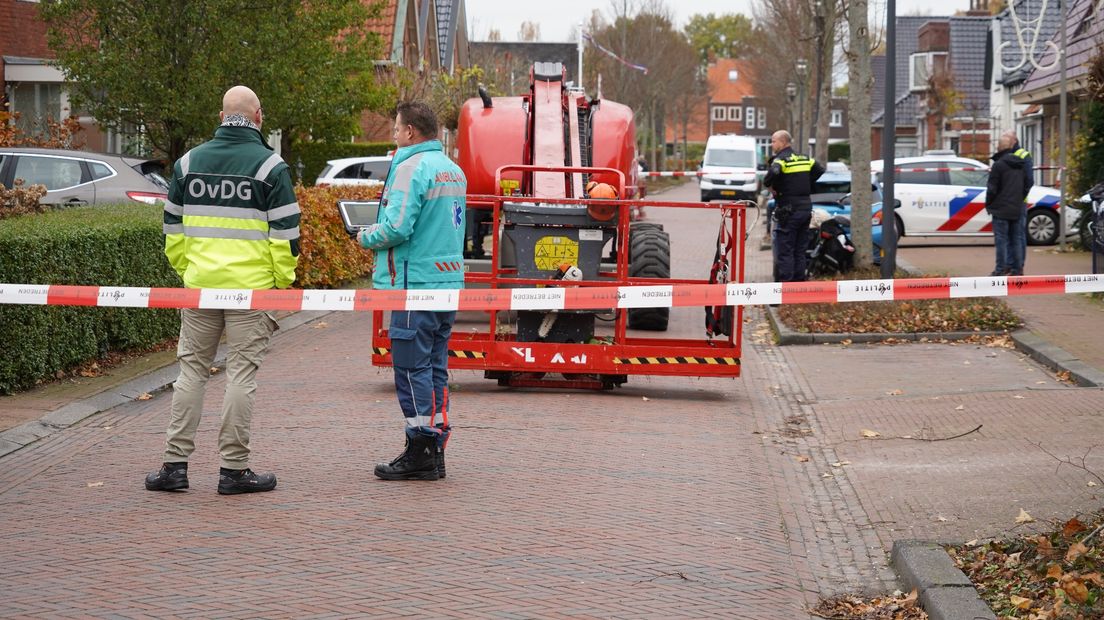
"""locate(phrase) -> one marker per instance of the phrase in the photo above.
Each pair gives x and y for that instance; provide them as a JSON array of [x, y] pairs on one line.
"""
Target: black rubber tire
[[649, 257], [1042, 226], [635, 226]]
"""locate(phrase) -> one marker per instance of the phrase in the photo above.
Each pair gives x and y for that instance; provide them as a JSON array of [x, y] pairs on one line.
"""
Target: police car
[[945, 196]]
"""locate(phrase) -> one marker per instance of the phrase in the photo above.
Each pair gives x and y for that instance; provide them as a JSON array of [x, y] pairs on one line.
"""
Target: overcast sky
[[557, 17]]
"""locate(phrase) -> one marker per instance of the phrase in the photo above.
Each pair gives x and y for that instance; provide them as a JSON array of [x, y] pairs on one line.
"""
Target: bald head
[[780, 140], [1008, 139], [241, 100]]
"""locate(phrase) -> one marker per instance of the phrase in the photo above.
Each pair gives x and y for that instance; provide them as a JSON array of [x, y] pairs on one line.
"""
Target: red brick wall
[[22, 33]]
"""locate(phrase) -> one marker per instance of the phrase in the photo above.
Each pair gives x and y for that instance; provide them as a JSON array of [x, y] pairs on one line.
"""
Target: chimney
[[934, 36], [978, 8]]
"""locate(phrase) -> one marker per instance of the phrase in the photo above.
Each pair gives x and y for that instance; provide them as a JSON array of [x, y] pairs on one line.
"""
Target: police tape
[[553, 298]]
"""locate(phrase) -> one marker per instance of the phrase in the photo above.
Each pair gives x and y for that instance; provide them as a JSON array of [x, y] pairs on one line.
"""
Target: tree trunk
[[861, 83], [826, 43]]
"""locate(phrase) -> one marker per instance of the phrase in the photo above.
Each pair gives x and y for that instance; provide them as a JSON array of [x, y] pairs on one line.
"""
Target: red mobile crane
[[527, 160]]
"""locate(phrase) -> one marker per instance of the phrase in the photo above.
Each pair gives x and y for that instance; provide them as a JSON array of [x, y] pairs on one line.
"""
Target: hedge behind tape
[[116, 245]]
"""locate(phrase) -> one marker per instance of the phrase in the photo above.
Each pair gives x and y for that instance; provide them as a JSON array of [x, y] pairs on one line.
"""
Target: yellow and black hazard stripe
[[717, 361], [461, 354]]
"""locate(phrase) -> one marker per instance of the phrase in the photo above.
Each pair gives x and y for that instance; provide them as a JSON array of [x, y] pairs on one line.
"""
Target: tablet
[[356, 214]]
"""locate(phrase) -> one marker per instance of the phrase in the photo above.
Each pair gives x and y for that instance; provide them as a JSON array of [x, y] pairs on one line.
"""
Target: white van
[[729, 167]]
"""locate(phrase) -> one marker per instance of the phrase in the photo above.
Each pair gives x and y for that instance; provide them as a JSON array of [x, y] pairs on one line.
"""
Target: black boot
[[235, 481], [171, 477], [446, 430], [417, 462]]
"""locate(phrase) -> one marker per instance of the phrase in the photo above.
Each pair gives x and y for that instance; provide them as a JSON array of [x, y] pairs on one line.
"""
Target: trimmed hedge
[[327, 257], [104, 246], [123, 246], [314, 155]]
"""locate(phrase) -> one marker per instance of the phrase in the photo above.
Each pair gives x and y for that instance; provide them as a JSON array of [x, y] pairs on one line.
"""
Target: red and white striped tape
[[699, 173], [552, 298]]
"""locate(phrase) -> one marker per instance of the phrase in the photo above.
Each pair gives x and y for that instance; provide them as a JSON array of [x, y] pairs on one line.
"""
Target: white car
[[945, 196], [368, 171]]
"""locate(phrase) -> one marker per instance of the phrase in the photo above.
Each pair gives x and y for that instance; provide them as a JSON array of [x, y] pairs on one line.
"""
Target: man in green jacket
[[231, 221], [419, 244]]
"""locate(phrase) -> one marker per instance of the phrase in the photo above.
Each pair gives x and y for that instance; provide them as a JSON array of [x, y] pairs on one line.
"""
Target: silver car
[[82, 178]]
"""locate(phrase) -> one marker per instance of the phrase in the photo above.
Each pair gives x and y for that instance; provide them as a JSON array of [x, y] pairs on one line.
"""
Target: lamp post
[[791, 94], [802, 67]]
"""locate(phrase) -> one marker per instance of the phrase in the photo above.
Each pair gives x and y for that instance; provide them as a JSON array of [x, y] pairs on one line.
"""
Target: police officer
[[790, 177]]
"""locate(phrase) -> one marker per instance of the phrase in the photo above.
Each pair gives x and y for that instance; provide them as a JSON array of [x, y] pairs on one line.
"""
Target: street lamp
[[791, 94], [802, 67]]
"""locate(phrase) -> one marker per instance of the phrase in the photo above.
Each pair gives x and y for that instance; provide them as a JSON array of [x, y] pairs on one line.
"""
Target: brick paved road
[[693, 503]]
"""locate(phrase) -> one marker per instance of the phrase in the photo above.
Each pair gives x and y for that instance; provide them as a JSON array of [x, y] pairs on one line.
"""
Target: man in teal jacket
[[419, 244]]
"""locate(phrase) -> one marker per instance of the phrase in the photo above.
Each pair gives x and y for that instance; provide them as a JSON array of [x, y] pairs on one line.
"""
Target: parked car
[[827, 191], [945, 196], [355, 171], [82, 178]]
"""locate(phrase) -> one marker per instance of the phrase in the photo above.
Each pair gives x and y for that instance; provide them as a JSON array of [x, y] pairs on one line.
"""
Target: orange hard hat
[[601, 190]]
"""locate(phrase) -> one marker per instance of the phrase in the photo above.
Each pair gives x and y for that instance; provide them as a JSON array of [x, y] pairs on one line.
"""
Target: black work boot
[[442, 441], [417, 462], [171, 477], [235, 481]]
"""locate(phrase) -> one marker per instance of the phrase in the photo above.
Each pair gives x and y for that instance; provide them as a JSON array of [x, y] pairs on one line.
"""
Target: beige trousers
[[247, 336]]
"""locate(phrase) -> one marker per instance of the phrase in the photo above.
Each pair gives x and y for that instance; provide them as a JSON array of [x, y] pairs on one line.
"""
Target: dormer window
[[922, 66], [732, 75]]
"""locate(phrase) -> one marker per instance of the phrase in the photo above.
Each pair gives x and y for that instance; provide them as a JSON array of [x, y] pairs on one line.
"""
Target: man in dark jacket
[[791, 177], [1005, 201]]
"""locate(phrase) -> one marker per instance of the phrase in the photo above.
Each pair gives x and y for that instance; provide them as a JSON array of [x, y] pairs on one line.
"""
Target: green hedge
[[314, 155], [106, 246]]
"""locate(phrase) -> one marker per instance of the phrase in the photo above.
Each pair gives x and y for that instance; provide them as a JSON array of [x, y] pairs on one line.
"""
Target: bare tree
[[529, 31], [826, 14]]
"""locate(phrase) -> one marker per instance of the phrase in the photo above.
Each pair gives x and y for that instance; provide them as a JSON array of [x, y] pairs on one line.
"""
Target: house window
[[718, 113], [837, 119], [762, 118], [921, 66], [36, 103], [749, 117], [735, 113]]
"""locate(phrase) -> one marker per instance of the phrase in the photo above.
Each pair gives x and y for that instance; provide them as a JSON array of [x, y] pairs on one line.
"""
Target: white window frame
[[735, 113], [718, 113], [836, 119], [762, 118], [918, 82], [749, 117]]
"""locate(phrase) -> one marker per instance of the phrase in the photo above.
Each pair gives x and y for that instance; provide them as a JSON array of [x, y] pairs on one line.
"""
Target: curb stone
[[25, 434], [1026, 341], [945, 592]]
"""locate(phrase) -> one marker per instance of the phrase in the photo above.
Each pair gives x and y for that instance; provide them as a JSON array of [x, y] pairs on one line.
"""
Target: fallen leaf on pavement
[[1090, 483], [841, 463], [1020, 602], [960, 407], [645, 398], [802, 459], [1018, 397], [1073, 526], [320, 325], [869, 433], [894, 393], [1075, 588], [214, 370], [143, 396], [1023, 517], [1076, 550], [95, 484], [941, 519], [1054, 571]]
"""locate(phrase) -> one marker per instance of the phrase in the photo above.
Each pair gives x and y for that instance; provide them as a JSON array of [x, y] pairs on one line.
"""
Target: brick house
[[733, 107], [942, 100]]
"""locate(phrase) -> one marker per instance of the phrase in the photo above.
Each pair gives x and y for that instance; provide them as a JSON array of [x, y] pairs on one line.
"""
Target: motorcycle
[[830, 249]]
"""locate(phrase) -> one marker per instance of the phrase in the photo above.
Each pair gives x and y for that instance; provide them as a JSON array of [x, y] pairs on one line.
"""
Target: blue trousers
[[790, 238], [1010, 242], [419, 352]]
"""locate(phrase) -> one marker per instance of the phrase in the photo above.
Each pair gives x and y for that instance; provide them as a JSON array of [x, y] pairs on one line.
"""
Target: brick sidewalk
[[745, 498]]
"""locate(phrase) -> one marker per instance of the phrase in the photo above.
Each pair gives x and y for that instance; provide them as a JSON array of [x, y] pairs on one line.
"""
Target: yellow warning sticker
[[551, 252], [508, 186]]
